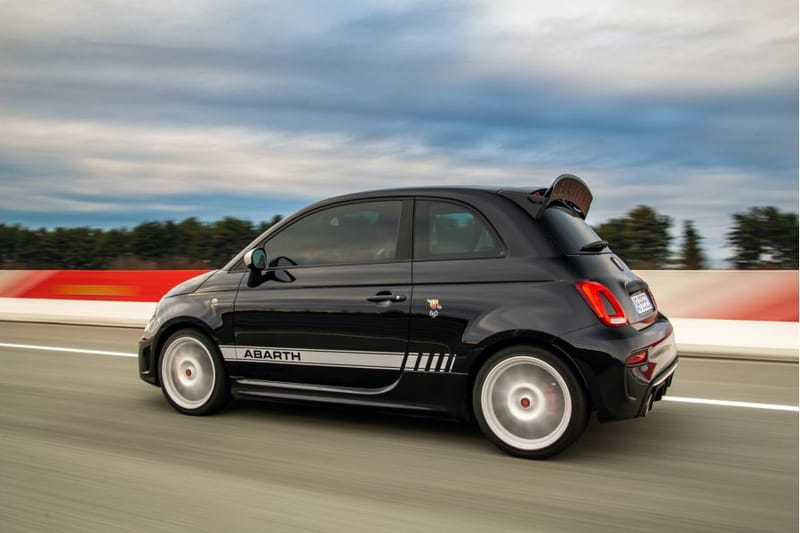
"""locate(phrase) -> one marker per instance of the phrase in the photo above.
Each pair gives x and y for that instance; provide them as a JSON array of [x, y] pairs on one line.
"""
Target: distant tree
[[692, 256], [227, 237], [74, 248], [40, 250], [112, 246], [191, 239], [764, 238], [10, 240], [149, 240], [187, 244], [641, 237], [265, 225]]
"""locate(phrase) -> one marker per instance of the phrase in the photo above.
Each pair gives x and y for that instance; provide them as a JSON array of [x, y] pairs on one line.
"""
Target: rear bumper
[[619, 390], [658, 388]]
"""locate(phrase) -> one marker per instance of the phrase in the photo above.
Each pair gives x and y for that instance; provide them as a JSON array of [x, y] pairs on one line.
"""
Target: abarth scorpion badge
[[435, 308]]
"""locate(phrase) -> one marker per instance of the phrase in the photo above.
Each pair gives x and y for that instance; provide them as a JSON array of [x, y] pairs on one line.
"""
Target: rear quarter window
[[448, 230]]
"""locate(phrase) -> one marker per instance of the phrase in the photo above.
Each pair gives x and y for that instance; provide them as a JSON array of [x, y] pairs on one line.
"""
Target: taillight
[[600, 299], [637, 358]]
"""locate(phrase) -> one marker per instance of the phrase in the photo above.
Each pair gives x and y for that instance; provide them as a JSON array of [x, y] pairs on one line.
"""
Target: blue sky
[[114, 113]]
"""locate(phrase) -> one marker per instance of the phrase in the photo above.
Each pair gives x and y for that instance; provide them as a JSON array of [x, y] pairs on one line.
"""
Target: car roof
[[427, 190]]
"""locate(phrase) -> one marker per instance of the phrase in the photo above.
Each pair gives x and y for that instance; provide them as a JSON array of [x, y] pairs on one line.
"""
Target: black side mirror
[[256, 259]]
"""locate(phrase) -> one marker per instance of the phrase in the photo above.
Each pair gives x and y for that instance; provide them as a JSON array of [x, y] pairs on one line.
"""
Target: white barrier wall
[[746, 314], [85, 312], [749, 315]]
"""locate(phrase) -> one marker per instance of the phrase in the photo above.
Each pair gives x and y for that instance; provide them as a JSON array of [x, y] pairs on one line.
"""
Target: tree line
[[189, 244], [760, 238]]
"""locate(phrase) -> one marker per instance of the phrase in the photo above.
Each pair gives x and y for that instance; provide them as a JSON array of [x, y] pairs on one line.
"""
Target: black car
[[500, 305]]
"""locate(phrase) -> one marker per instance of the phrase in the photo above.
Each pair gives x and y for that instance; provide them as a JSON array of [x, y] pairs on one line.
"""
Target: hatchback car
[[498, 305]]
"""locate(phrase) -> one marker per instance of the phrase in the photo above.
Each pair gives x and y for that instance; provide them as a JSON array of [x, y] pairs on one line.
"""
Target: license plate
[[642, 303]]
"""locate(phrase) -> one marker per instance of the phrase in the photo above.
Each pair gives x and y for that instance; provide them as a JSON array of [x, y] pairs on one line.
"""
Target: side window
[[445, 230], [365, 232]]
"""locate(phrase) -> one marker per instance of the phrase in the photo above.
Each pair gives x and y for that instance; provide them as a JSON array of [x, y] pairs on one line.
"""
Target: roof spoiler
[[566, 190]]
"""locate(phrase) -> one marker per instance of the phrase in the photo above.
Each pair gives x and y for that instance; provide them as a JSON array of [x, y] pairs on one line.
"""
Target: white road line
[[68, 350], [680, 399], [727, 403]]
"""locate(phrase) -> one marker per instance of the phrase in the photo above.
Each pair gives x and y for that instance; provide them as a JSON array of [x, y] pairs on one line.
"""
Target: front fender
[[209, 309]]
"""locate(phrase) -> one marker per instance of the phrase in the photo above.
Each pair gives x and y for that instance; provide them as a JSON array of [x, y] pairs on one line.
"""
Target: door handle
[[386, 297]]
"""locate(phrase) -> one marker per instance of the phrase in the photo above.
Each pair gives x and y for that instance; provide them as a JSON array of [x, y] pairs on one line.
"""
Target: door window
[[364, 232], [447, 230]]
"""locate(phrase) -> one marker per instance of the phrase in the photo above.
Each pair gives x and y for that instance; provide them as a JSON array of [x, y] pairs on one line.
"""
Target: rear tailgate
[[631, 291]]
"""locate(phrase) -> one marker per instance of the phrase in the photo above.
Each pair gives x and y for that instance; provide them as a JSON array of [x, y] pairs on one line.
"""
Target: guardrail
[[748, 314], [737, 314]]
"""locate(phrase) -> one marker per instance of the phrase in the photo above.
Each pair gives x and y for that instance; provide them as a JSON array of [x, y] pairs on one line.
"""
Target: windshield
[[570, 231]]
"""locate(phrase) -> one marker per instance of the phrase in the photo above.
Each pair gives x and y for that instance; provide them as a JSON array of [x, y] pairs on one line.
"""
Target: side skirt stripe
[[401, 361]]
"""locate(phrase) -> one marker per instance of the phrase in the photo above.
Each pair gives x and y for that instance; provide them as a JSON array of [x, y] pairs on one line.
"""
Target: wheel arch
[[537, 339], [168, 329]]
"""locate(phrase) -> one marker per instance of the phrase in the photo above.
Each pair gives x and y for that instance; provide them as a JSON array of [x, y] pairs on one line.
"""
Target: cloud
[[95, 169], [110, 108], [623, 45]]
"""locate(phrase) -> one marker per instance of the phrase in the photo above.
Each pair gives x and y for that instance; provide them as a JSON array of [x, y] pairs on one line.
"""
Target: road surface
[[86, 446]]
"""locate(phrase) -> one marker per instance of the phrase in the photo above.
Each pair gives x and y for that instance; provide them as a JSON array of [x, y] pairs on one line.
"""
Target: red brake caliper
[[551, 399]]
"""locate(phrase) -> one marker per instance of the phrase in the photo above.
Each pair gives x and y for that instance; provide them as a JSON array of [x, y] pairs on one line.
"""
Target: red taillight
[[637, 358], [597, 295]]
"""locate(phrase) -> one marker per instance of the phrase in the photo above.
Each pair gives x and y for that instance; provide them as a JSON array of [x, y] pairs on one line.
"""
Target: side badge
[[435, 307]]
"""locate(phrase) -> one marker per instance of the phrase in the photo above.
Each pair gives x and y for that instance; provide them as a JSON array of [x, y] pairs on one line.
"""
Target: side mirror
[[256, 259]]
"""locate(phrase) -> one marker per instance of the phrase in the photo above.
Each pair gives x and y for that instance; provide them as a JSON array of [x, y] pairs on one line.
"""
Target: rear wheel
[[192, 374], [529, 402]]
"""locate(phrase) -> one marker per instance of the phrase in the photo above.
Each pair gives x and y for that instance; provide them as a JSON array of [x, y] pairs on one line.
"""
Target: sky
[[114, 112]]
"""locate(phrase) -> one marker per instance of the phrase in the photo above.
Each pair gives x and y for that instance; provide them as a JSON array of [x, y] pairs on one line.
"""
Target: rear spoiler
[[567, 190]]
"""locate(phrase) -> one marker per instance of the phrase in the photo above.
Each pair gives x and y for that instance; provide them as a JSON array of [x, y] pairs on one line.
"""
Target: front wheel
[[192, 374], [529, 402]]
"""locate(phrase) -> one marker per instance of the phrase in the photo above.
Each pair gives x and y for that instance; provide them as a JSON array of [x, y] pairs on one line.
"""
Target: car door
[[332, 308], [458, 261]]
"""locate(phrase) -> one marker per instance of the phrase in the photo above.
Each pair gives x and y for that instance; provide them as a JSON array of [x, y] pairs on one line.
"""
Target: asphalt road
[[86, 446]]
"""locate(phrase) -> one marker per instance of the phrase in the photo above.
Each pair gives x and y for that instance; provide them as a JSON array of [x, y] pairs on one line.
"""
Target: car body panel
[[313, 335], [324, 313]]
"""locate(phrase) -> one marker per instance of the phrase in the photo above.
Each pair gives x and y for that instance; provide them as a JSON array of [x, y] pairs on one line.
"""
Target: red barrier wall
[[113, 285], [724, 294]]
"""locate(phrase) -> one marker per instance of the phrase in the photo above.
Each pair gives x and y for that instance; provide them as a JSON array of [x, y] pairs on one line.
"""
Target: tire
[[529, 402], [192, 375]]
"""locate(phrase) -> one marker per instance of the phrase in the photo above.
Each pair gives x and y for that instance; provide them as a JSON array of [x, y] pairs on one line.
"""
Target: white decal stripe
[[361, 359], [228, 352], [348, 359], [439, 362], [423, 362]]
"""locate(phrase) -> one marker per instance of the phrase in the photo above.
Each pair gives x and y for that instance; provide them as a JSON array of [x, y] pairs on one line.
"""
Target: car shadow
[[622, 440], [329, 415]]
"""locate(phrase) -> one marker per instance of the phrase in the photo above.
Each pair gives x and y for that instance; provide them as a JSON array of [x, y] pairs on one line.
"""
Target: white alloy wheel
[[189, 374], [529, 403]]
